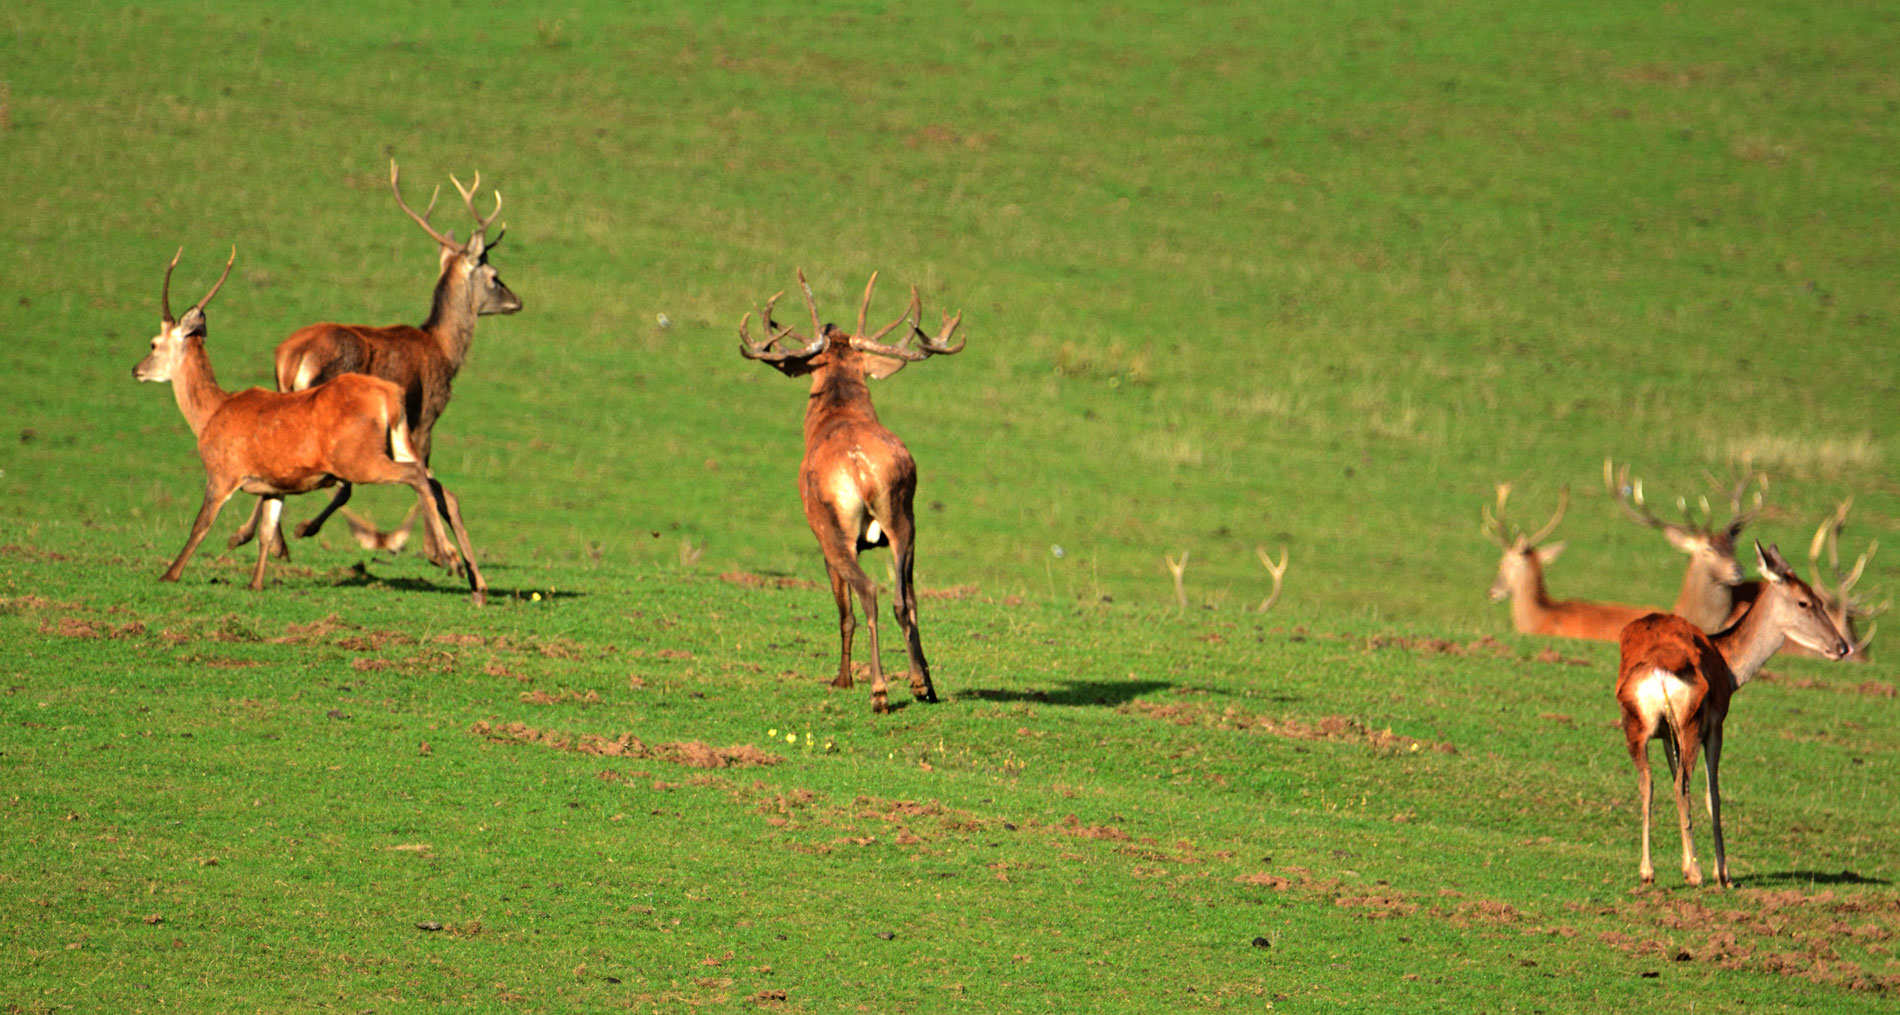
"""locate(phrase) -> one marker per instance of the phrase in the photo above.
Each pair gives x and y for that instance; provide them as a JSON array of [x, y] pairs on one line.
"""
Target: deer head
[[1711, 547], [1796, 608], [174, 333], [833, 348], [1522, 564], [466, 262]]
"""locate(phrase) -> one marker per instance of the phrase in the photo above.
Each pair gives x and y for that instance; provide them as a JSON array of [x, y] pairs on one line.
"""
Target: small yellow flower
[[534, 597], [773, 733], [791, 738]]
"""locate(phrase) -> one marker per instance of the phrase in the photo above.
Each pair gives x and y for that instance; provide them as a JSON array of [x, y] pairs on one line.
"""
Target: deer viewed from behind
[[1836, 589], [1674, 683], [422, 361], [1714, 590], [857, 480], [274, 444], [1521, 580]]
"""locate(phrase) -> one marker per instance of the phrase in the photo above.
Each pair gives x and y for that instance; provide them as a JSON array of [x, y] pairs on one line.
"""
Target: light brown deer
[[422, 361], [1714, 591], [1521, 580], [1843, 607], [1674, 683], [857, 479], [273, 444]]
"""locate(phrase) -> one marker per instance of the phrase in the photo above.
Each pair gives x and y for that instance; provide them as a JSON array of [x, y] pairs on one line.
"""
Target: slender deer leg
[[441, 554], [249, 528], [841, 591], [451, 509], [270, 509], [1686, 747], [1714, 800], [867, 597], [1639, 753], [215, 496], [315, 525], [904, 606]]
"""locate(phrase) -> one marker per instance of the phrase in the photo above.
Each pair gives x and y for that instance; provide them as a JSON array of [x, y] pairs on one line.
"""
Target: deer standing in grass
[[1521, 580], [857, 479], [422, 361], [273, 444], [1675, 682], [1714, 590]]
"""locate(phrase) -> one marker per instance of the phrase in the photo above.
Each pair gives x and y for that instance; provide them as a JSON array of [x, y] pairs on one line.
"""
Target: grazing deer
[[1844, 608], [423, 361], [273, 444], [1521, 580], [857, 479], [1674, 683], [1714, 590]]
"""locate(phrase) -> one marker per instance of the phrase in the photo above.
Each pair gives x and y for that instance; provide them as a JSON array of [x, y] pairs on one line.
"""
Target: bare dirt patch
[[1824, 937], [1332, 727], [540, 697], [691, 753], [79, 627]]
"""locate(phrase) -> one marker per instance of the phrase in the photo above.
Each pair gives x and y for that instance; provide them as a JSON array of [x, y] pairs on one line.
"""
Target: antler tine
[[468, 198], [1628, 494], [200, 305], [940, 346], [817, 330], [423, 219], [165, 294], [1278, 571], [763, 351], [1493, 526], [911, 313], [1739, 518], [1563, 504], [865, 307]]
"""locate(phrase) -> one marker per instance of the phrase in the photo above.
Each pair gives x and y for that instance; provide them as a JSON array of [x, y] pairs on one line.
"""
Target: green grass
[[1231, 276]]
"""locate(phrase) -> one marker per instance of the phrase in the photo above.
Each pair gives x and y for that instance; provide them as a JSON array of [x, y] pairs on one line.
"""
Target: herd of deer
[[1680, 667], [359, 404]]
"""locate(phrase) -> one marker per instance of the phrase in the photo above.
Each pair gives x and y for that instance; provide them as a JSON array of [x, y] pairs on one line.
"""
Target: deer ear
[[879, 367], [1681, 539], [193, 323], [1773, 568], [1550, 551]]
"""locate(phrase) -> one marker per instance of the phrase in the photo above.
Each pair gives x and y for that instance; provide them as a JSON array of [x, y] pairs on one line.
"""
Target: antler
[[1738, 517], [1278, 571], [468, 198], [1492, 525], [165, 294], [763, 350], [1628, 494], [422, 219], [1838, 588], [1179, 569], [914, 314]]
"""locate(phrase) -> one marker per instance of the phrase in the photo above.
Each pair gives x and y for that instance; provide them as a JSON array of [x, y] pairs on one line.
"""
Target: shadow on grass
[[1809, 877], [1073, 692], [360, 577]]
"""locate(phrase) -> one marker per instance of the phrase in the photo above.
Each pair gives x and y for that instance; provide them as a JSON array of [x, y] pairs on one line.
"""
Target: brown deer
[[1521, 580], [422, 361], [1714, 591], [1674, 683], [272, 444], [1836, 589], [857, 479]]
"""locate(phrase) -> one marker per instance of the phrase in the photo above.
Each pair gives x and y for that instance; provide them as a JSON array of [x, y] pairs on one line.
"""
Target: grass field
[[1231, 276]]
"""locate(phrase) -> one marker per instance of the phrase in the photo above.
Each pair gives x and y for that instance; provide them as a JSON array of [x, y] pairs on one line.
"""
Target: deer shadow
[[1809, 877], [360, 577], [1073, 692]]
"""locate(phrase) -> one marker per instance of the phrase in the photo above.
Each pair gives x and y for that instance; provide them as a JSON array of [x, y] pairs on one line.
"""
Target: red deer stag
[[1843, 607], [1674, 683], [1714, 590], [1521, 580], [422, 361], [273, 444], [857, 479]]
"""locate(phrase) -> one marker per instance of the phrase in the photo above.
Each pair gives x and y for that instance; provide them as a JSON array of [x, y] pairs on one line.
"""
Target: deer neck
[[452, 317], [1530, 601], [1705, 600], [1748, 644], [837, 394], [196, 387]]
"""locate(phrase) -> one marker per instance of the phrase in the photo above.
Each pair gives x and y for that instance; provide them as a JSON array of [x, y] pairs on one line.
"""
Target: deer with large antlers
[[1836, 589], [274, 444], [1521, 580], [1714, 591], [422, 361], [857, 479], [1674, 683]]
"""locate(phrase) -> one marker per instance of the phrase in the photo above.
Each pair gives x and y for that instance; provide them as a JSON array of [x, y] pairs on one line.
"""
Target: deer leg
[[867, 597], [1714, 800], [249, 528], [904, 606], [337, 500], [215, 496], [1685, 751], [1639, 753], [841, 591], [270, 509], [451, 509], [437, 547]]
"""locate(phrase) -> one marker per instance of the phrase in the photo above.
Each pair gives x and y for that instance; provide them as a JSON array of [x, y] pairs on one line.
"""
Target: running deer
[[1837, 589], [1674, 683], [1521, 580], [272, 444], [422, 361], [857, 479], [1714, 590]]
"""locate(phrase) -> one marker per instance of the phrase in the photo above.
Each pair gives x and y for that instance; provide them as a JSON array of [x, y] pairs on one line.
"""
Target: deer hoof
[[306, 529], [842, 681], [880, 704], [479, 597], [1693, 875]]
